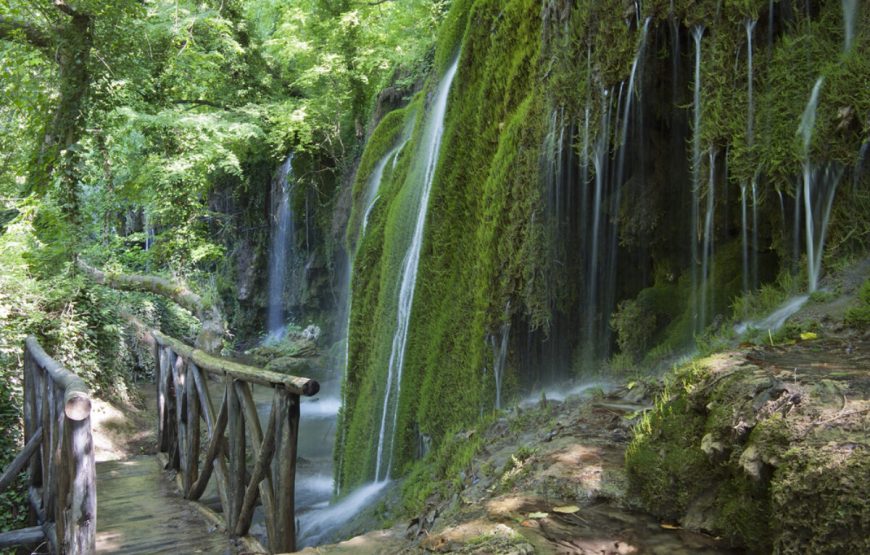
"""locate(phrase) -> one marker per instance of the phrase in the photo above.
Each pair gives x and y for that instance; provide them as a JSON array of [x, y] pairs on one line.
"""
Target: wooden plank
[[236, 425], [141, 512], [264, 484], [287, 420], [21, 460], [22, 537]]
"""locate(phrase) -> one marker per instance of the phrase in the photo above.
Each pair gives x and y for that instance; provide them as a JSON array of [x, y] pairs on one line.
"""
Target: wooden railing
[[184, 400], [60, 450]]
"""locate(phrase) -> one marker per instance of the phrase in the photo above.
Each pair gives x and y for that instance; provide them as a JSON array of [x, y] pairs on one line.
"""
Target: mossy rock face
[[743, 446]]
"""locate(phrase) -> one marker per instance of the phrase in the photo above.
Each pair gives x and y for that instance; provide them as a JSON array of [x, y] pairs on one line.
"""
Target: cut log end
[[312, 387], [77, 406]]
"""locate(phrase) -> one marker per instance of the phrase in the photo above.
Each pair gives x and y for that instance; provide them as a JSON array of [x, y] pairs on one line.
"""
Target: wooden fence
[[60, 451], [220, 451]]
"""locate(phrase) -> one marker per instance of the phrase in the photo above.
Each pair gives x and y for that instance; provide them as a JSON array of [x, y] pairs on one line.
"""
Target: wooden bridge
[[206, 443]]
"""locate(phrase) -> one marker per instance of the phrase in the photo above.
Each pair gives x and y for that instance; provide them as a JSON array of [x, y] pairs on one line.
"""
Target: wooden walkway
[[141, 511]]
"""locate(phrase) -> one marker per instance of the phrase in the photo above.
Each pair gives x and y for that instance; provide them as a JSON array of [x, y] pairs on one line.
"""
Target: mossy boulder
[[771, 458]]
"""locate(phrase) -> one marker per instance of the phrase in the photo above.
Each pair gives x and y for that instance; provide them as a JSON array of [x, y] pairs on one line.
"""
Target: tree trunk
[[211, 334]]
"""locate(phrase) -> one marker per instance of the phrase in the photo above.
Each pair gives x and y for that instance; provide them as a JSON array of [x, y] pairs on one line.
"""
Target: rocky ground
[[549, 479], [763, 446]]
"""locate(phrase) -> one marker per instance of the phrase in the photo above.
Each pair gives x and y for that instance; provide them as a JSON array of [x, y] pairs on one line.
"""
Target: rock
[[712, 448], [751, 463], [311, 333], [290, 365]]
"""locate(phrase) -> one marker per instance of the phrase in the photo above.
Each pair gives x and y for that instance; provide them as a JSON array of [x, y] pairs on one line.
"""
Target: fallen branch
[[210, 338]]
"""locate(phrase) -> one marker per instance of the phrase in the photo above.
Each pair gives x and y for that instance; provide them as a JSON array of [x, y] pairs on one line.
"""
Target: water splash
[[320, 524], [775, 319], [429, 148], [282, 241]]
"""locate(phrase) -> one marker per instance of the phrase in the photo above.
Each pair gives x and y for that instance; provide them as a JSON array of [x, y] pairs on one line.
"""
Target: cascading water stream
[[744, 237], [499, 344], [750, 117], [282, 240], [850, 13], [708, 243], [749, 264], [808, 122], [755, 231], [816, 191], [430, 146], [697, 33]]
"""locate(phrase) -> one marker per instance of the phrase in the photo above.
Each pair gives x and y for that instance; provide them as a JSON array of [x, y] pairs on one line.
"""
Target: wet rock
[[290, 365]]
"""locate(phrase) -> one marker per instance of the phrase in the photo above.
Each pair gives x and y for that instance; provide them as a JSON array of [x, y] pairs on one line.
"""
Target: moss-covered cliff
[[568, 204]]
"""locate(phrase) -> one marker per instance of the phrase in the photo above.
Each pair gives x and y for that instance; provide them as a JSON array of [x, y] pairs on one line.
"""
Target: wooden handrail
[[250, 374], [185, 401], [77, 396], [60, 451]]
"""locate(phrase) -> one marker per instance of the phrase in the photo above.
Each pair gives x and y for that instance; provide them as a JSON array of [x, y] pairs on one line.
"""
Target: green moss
[[820, 497], [786, 486], [484, 190], [664, 462], [859, 315]]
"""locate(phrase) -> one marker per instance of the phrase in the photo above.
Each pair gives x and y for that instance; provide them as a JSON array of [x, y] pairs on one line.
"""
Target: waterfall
[[744, 237], [282, 240], [602, 151], [707, 247], [374, 183], [499, 346], [750, 270], [755, 231], [850, 12], [808, 122], [697, 33], [750, 26], [429, 147]]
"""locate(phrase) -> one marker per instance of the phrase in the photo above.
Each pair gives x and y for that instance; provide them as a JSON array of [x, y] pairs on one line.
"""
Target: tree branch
[[213, 328], [65, 8], [14, 30]]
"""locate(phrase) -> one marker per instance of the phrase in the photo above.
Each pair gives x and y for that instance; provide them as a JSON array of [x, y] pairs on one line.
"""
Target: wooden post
[[162, 359], [192, 409], [60, 470], [180, 417], [263, 482], [214, 459], [81, 511], [287, 415], [237, 454]]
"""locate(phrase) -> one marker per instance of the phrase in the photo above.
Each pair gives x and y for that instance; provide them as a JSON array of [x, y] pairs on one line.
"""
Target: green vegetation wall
[[529, 72], [480, 214]]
